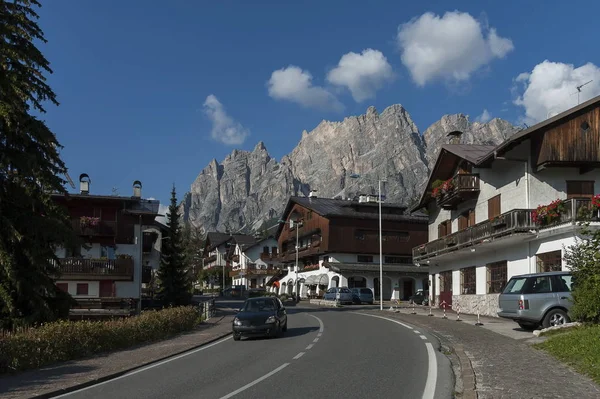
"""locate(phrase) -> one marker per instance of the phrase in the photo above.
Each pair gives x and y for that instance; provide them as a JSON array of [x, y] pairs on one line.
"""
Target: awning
[[301, 280], [322, 280], [312, 280], [290, 281], [276, 284]]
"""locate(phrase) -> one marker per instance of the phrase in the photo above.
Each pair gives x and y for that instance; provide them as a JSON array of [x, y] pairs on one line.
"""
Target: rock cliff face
[[250, 188]]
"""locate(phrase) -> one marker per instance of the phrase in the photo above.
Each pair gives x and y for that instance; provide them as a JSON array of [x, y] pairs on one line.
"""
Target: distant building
[[254, 261], [338, 245], [123, 241]]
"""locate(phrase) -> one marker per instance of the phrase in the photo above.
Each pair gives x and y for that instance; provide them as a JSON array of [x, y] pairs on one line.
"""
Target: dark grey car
[[537, 299]]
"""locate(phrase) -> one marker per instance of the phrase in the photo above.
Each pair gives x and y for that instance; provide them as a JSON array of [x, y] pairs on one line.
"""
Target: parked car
[[263, 316], [340, 294], [420, 298], [362, 295], [537, 299]]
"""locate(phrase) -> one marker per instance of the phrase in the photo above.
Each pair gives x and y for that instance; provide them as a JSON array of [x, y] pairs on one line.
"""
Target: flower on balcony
[[436, 188], [124, 256], [89, 221], [436, 192], [548, 214], [596, 202], [448, 185]]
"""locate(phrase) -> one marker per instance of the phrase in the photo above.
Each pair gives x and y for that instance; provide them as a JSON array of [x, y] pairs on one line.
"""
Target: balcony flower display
[[448, 185], [436, 188], [548, 214], [596, 202], [311, 267], [89, 221]]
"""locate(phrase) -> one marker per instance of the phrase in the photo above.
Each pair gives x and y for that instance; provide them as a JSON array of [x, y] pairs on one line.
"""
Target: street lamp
[[379, 200]]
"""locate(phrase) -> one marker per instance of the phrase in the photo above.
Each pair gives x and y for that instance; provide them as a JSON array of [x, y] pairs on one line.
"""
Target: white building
[[120, 244], [482, 223], [254, 261]]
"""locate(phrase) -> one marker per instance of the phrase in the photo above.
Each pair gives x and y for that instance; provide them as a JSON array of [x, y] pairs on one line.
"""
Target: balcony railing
[[464, 187], [268, 256], [512, 222], [254, 270], [100, 269], [102, 229]]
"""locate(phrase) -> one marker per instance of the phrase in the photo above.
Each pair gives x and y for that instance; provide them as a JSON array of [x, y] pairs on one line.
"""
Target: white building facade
[[486, 226]]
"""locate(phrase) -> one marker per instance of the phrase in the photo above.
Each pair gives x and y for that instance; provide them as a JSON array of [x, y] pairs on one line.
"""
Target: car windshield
[[344, 290], [515, 285], [259, 305]]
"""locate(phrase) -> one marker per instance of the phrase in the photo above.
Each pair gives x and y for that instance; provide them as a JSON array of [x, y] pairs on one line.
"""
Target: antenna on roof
[[69, 180], [579, 89], [115, 192]]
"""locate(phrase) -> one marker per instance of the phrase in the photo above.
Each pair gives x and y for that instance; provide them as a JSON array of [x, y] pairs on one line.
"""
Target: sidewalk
[[494, 364], [53, 380]]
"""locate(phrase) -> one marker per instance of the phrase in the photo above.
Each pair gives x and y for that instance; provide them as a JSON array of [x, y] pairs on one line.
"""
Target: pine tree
[[175, 284], [32, 225]]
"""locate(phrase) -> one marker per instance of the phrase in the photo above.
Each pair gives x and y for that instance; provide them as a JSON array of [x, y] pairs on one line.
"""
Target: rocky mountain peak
[[249, 188]]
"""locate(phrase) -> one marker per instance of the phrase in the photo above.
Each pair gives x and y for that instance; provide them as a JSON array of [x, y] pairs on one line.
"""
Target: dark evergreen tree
[[32, 225], [175, 284]]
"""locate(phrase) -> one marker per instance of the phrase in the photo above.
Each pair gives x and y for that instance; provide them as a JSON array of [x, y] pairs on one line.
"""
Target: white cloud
[[484, 117], [224, 128], [450, 47], [363, 74], [551, 87], [294, 84]]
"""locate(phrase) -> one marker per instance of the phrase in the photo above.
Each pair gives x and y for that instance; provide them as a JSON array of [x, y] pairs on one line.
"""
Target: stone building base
[[486, 305]]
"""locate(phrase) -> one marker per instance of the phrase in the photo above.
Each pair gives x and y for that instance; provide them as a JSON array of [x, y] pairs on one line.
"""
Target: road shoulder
[[69, 376]]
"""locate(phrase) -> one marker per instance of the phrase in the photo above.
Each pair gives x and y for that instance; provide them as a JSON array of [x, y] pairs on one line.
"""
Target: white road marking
[[298, 356], [385, 318], [145, 368], [321, 325], [319, 334], [316, 340], [309, 346], [416, 332], [423, 337], [429, 391], [430, 383], [264, 377]]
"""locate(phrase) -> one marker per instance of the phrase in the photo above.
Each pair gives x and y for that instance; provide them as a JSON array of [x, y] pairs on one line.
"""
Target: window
[[515, 285], [446, 281], [274, 250], [564, 283], [466, 219], [580, 189], [468, 280], [538, 285], [63, 286], [398, 259], [496, 276], [494, 208], [444, 228], [549, 262], [82, 289], [265, 250], [325, 258], [107, 252], [365, 258]]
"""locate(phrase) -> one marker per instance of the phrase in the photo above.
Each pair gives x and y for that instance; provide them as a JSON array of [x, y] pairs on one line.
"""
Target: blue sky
[[154, 90]]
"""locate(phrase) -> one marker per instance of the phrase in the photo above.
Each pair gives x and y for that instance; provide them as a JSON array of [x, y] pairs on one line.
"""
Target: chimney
[[137, 189], [454, 137], [84, 183], [312, 194]]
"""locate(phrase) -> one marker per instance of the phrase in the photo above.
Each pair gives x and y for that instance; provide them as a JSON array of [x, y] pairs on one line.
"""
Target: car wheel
[[555, 317], [528, 326], [237, 336]]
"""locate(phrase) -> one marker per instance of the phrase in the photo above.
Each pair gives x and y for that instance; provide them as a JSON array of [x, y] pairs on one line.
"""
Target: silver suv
[[534, 299]]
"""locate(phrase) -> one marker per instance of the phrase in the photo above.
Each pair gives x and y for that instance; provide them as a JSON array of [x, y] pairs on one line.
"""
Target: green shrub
[[68, 340]]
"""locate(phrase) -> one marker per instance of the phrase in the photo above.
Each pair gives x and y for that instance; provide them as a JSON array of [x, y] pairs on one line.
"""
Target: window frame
[[495, 285], [471, 284]]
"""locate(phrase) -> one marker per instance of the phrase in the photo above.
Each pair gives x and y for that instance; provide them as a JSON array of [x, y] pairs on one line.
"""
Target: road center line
[[432, 371], [298, 356], [423, 337], [309, 346], [316, 340], [321, 325], [145, 368], [416, 332], [264, 377]]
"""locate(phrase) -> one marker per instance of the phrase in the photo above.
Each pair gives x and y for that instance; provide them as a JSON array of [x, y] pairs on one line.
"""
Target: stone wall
[[486, 305]]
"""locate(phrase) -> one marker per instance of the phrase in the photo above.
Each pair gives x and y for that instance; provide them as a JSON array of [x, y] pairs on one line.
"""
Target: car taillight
[[521, 307]]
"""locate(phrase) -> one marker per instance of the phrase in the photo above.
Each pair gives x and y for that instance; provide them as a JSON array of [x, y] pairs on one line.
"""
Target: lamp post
[[379, 200]]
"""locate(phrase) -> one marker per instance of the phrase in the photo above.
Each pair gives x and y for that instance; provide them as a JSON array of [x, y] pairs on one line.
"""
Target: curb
[[123, 372]]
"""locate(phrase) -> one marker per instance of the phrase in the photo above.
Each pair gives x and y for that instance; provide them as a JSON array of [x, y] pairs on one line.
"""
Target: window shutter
[[471, 217], [580, 189], [463, 222], [494, 207], [448, 227]]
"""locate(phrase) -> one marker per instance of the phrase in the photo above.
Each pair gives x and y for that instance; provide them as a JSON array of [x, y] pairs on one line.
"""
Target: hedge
[[68, 340]]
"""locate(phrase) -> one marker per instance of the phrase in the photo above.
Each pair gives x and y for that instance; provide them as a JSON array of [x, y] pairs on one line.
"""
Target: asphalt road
[[325, 353]]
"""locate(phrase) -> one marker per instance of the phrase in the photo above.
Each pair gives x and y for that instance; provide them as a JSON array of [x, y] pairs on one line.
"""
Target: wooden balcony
[[96, 269], [102, 229], [465, 187], [268, 257], [210, 259], [513, 222]]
